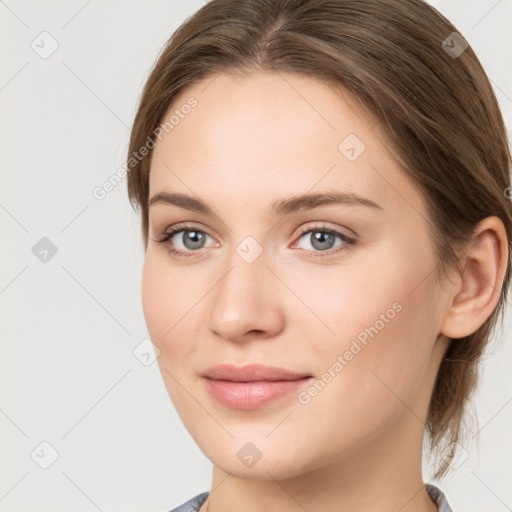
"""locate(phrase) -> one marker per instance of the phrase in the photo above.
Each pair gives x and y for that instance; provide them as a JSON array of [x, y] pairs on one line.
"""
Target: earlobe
[[479, 287]]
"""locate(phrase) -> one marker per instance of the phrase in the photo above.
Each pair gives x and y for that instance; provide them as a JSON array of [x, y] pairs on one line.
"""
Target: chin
[[259, 459]]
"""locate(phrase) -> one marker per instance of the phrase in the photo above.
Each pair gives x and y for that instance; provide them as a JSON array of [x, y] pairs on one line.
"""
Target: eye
[[320, 241], [192, 238]]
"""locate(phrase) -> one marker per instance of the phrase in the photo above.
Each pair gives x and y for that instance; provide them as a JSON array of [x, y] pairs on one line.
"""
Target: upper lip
[[251, 373]]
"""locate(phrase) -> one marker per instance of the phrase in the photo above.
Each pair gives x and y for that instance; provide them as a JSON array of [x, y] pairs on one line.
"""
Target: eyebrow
[[278, 207]]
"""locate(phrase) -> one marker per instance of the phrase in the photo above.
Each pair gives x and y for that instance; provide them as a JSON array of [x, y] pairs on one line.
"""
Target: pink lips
[[251, 386]]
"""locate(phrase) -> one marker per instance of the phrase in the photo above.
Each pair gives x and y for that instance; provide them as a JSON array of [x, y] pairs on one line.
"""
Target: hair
[[437, 109]]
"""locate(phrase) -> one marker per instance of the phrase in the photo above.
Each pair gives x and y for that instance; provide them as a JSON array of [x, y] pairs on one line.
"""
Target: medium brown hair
[[437, 108]]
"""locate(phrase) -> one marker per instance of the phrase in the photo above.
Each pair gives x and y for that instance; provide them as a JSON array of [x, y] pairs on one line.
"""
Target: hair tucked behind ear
[[437, 109]]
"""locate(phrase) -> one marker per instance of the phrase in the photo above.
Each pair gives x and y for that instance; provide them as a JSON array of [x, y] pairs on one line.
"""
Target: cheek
[[173, 304], [167, 293], [154, 299], [165, 311], [339, 304], [377, 321], [371, 373]]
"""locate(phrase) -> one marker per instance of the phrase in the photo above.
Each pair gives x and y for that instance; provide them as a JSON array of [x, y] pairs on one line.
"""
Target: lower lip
[[251, 395]]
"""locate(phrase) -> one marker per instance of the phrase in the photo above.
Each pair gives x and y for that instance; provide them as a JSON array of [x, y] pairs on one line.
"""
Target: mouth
[[251, 386]]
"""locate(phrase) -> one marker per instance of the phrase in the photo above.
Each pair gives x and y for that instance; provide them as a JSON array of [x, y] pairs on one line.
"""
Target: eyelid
[[180, 227], [324, 226]]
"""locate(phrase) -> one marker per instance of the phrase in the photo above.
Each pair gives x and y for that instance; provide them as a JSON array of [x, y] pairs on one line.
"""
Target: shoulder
[[439, 498], [193, 504]]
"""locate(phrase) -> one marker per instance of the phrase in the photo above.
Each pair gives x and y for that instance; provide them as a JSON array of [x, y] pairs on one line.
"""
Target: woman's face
[[340, 292]]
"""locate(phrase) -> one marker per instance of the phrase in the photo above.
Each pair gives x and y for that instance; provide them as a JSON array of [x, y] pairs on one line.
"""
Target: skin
[[357, 444]]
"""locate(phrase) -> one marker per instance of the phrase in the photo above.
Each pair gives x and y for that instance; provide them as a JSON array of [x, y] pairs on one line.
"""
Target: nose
[[246, 302]]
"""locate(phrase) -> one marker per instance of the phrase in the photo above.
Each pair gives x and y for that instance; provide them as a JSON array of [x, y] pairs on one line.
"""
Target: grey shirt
[[435, 493]]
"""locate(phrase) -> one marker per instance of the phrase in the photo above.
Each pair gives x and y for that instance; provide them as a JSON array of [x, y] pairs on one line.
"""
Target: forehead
[[278, 132]]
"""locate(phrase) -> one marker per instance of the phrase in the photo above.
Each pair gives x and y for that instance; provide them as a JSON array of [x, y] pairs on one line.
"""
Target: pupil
[[194, 238], [318, 240]]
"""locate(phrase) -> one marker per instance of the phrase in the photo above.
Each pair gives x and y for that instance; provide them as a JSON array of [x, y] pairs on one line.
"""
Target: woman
[[323, 189]]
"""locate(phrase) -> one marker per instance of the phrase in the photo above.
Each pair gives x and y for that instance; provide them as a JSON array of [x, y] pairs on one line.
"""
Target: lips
[[251, 386]]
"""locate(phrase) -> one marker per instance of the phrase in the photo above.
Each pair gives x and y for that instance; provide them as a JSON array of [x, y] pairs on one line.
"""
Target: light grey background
[[69, 325]]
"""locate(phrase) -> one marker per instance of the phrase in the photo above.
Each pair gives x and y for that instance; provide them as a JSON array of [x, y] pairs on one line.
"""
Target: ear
[[479, 285]]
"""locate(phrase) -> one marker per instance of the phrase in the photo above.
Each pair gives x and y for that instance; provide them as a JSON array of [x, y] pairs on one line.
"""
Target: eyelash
[[348, 241]]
